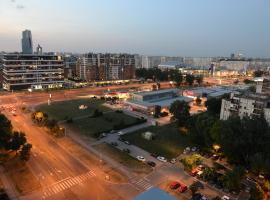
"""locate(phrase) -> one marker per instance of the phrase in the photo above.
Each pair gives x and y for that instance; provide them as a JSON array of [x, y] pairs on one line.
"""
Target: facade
[[248, 105], [27, 44], [24, 71], [106, 67]]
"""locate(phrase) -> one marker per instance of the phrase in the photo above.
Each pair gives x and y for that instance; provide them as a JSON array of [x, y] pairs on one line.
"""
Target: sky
[[196, 28]]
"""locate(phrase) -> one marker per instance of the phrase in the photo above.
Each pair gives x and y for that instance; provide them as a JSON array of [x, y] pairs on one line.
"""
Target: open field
[[123, 158], [169, 141], [62, 110], [108, 121]]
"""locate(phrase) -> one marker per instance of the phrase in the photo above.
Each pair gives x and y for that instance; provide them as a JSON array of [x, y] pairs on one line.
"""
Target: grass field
[[69, 109], [123, 158], [168, 142], [93, 126]]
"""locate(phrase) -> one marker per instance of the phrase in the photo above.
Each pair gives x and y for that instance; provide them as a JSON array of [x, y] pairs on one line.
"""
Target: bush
[[70, 120]]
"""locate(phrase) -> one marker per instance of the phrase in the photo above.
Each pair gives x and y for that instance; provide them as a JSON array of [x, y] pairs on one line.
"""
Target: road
[[61, 175]]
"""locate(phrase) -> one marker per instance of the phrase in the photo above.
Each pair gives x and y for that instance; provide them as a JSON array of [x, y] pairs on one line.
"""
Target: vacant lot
[[169, 141], [93, 126], [69, 109], [123, 158]]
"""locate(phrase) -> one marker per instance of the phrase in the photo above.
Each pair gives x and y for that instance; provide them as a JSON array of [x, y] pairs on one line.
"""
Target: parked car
[[151, 163], [182, 188], [174, 185], [127, 142], [126, 150], [194, 172], [225, 197], [112, 132], [141, 158], [121, 139], [154, 155], [120, 133], [173, 160], [162, 159]]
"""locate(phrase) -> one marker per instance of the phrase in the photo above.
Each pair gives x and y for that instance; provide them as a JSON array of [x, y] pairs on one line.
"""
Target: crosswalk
[[66, 184], [141, 184]]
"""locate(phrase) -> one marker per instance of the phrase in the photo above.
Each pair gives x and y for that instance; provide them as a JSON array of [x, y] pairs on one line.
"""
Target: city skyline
[[174, 28]]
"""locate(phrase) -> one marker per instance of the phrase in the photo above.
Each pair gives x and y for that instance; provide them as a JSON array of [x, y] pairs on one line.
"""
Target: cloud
[[13, 1], [20, 7]]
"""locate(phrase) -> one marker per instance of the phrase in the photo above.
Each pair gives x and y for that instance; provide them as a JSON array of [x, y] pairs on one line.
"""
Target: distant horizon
[[175, 28]]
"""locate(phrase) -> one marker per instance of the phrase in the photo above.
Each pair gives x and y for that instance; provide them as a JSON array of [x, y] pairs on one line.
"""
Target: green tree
[[216, 198], [25, 152], [232, 179], [258, 73], [194, 188], [180, 111], [190, 79], [256, 193], [213, 105], [5, 131], [199, 79], [18, 139]]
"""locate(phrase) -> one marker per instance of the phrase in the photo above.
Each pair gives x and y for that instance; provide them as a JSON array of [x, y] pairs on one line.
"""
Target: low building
[[146, 101], [248, 104], [24, 71]]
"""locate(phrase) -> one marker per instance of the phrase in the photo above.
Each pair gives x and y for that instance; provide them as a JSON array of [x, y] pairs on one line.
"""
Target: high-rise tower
[[27, 45]]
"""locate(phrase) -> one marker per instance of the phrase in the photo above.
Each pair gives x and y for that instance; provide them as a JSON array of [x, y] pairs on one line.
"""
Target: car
[[193, 149], [114, 144], [154, 155], [182, 188], [126, 150], [162, 159], [120, 133], [225, 197], [112, 132], [173, 160], [121, 139], [103, 134], [204, 198], [141, 158], [174, 185], [127, 142], [151, 163], [194, 172]]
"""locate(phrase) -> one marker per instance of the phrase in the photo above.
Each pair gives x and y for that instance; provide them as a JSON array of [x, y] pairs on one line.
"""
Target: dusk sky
[[151, 27]]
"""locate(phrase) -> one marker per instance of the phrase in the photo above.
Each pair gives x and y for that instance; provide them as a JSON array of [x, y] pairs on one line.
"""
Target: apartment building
[[104, 67], [24, 71], [248, 104]]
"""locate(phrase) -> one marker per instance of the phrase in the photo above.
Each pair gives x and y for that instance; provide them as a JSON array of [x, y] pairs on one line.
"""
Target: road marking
[[66, 184], [141, 184]]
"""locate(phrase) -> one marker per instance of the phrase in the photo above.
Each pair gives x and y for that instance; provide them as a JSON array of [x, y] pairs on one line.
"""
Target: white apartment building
[[249, 104]]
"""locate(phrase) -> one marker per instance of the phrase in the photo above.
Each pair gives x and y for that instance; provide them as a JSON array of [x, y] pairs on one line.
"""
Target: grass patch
[[123, 158], [108, 121], [62, 110], [21, 176], [169, 141]]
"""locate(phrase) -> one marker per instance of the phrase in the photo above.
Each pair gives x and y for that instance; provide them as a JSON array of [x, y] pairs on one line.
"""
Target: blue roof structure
[[154, 194]]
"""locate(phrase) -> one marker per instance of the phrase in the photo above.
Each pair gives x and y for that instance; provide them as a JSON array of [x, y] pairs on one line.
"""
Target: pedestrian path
[[66, 184], [141, 184]]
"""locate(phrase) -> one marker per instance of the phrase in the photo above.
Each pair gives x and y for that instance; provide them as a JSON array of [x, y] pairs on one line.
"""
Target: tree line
[[175, 75]]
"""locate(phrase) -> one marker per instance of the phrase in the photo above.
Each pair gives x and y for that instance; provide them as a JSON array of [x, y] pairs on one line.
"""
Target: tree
[[256, 193], [176, 77], [199, 79], [213, 105], [216, 198], [25, 152], [258, 73], [5, 131], [18, 139], [190, 79], [180, 111], [194, 188], [232, 179], [247, 81]]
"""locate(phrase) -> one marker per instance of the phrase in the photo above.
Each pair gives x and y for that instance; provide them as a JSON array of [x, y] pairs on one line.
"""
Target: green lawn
[[168, 142], [123, 158], [93, 126], [70, 109]]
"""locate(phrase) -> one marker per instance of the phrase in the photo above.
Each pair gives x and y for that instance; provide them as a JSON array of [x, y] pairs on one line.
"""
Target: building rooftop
[[155, 194], [157, 92]]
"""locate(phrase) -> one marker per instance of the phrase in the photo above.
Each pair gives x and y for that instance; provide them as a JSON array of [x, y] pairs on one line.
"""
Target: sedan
[[162, 159], [127, 142], [120, 133], [151, 163], [141, 158], [174, 185]]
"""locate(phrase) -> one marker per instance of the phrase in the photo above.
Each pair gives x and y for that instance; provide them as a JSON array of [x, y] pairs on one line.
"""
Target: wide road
[[61, 175]]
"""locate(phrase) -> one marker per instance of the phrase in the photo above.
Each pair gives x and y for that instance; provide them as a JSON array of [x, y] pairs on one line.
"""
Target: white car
[[120, 133], [141, 158], [225, 197], [162, 159], [194, 149], [173, 160]]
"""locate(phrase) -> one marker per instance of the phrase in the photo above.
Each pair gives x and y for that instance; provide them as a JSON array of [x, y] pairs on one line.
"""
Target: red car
[[182, 188], [194, 172], [174, 185]]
